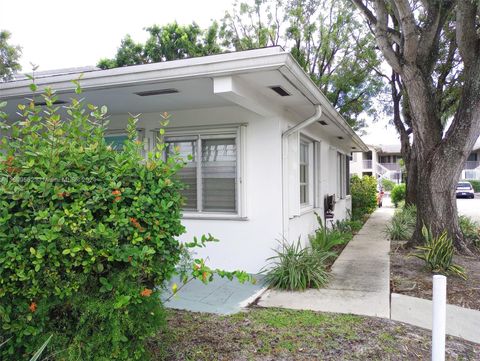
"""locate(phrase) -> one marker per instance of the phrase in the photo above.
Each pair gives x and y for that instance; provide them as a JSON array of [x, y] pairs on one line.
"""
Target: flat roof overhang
[[241, 78]]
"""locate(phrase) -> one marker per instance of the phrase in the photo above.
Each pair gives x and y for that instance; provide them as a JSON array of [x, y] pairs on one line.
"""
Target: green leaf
[[121, 301], [39, 352], [66, 251]]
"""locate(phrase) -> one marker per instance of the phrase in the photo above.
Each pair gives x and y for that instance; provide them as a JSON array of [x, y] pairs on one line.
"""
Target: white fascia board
[[201, 67], [237, 91], [292, 71]]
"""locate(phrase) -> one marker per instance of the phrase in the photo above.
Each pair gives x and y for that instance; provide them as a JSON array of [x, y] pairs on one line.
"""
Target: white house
[[267, 145]]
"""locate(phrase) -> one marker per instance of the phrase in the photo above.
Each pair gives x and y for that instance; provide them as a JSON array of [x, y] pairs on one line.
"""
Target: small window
[[307, 172], [116, 141], [304, 173], [210, 175], [341, 175]]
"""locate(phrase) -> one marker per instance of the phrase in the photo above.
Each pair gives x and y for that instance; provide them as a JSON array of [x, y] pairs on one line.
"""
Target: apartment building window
[[341, 175], [211, 172]]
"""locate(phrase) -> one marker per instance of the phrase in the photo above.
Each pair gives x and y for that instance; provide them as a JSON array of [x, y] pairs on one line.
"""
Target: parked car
[[465, 190]]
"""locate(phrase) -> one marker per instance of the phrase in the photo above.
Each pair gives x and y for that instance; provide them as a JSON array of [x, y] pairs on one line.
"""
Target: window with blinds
[[210, 176], [304, 173]]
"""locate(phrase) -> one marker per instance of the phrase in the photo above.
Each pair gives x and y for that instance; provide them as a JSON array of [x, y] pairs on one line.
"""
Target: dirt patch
[[278, 334], [409, 277]]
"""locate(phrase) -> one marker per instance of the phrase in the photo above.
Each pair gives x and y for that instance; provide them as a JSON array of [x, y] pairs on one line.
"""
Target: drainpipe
[[285, 187]]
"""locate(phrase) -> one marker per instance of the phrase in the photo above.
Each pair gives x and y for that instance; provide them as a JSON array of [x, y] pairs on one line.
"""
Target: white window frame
[[236, 132], [310, 185], [341, 175]]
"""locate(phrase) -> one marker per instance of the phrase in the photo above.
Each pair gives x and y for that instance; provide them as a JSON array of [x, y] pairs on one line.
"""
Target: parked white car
[[465, 190]]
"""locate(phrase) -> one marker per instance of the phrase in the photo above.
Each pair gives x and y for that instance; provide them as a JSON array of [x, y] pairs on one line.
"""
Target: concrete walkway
[[461, 322], [220, 296], [360, 277]]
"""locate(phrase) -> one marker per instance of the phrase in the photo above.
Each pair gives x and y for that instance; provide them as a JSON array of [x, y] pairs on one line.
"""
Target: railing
[[367, 164], [471, 174], [391, 166], [472, 164]]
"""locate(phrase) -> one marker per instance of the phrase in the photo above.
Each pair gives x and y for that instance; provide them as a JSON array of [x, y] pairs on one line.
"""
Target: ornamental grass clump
[[296, 268], [437, 253], [402, 224], [87, 233]]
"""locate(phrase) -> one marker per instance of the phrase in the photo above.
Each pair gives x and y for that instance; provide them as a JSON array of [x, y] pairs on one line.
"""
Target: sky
[[57, 34]]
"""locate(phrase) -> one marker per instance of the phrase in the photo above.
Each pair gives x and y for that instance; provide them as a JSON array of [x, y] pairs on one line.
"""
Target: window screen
[[304, 176], [219, 174], [188, 174], [211, 175]]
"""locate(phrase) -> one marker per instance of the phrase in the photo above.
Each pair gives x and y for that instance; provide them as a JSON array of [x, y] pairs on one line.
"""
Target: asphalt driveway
[[470, 207]]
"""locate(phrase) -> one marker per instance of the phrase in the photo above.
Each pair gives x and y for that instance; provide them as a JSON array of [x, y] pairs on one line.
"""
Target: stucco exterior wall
[[246, 243]]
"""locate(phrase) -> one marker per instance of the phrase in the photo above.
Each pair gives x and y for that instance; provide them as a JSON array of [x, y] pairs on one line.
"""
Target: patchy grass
[[278, 334]]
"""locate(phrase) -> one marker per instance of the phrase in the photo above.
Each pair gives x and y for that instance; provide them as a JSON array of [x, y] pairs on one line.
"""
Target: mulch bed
[[409, 277], [278, 334]]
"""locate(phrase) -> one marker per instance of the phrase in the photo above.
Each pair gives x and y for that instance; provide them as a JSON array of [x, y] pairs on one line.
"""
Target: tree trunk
[[440, 163], [436, 202], [411, 182]]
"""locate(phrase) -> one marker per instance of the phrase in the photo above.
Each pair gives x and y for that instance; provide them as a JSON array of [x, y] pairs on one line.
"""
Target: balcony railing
[[367, 164], [472, 164], [391, 166]]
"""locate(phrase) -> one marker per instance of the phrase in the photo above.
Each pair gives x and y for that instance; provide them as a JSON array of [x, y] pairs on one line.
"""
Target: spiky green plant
[[295, 267], [438, 254]]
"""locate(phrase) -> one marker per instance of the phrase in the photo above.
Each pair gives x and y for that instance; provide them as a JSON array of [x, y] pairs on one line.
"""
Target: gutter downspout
[[285, 185]]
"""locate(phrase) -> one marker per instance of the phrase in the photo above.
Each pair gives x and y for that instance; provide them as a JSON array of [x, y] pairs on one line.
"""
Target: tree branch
[[409, 27], [382, 36], [467, 38], [393, 34]]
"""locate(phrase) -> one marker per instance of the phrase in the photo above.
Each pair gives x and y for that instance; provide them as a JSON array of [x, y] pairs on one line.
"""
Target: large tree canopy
[[9, 57], [169, 42], [324, 36], [327, 40], [433, 48]]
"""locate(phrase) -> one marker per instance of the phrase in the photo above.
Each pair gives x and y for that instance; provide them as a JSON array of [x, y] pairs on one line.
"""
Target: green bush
[[364, 196], [325, 239], [388, 184], [475, 185], [398, 194], [295, 267], [403, 223], [86, 235], [355, 225], [470, 229], [438, 254]]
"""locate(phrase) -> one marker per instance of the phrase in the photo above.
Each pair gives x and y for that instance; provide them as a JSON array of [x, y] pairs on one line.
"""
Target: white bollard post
[[439, 317]]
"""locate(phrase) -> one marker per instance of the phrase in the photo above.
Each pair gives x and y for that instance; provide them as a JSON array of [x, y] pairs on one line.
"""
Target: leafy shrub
[[325, 239], [470, 229], [87, 235], [38, 353], [295, 267], [388, 184], [403, 223], [438, 254], [364, 196], [355, 225], [398, 194], [475, 184]]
